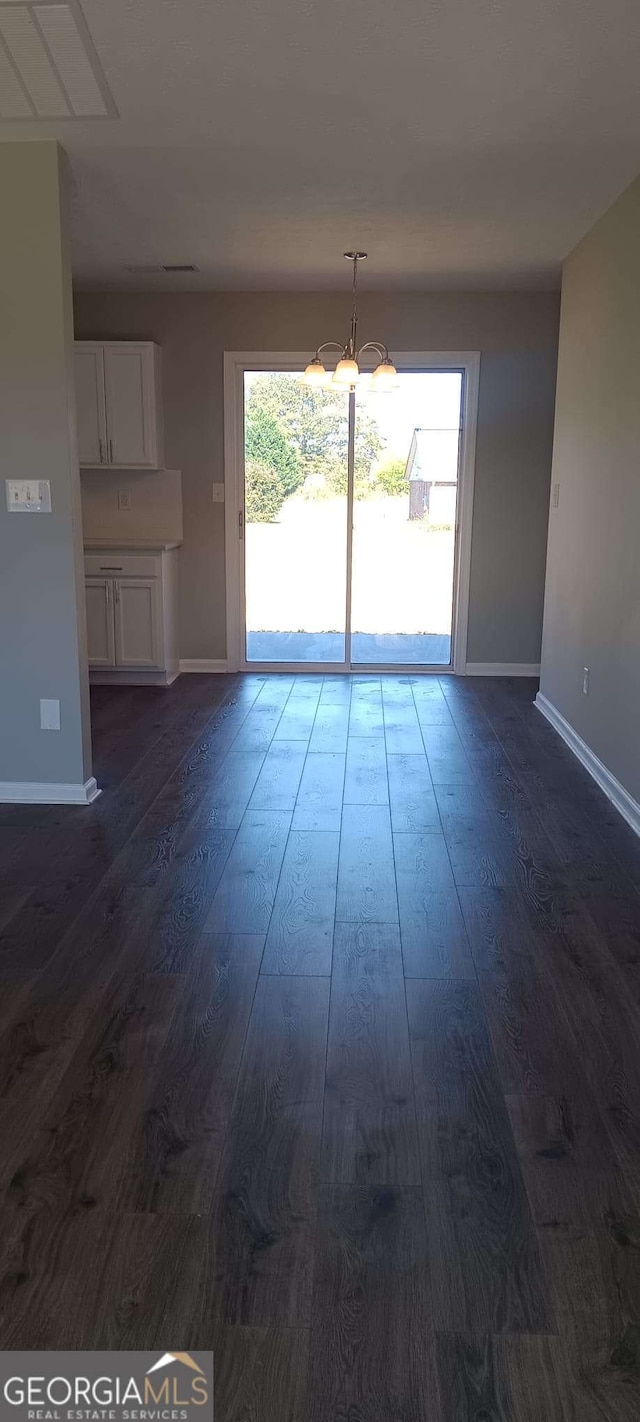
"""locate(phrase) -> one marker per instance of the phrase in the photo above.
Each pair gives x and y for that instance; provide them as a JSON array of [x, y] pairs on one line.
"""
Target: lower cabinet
[[101, 637], [131, 604]]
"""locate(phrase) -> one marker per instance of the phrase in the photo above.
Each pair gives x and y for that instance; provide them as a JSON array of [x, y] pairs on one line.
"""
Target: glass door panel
[[405, 500], [295, 520]]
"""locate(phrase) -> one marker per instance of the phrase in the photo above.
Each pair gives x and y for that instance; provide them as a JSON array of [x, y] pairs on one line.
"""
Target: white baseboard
[[30, 792], [132, 678], [502, 669], [197, 664], [614, 791]]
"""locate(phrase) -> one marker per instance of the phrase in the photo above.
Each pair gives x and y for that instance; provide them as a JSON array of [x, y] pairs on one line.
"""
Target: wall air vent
[[180, 267], [48, 66]]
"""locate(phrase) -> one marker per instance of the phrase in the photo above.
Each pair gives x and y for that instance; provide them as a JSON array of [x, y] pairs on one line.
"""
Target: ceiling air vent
[[180, 267]]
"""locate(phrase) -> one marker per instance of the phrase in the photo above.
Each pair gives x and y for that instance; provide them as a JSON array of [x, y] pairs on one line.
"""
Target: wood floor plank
[[301, 930], [366, 772], [487, 1273], [244, 899], [434, 939], [401, 726], [265, 1218], [598, 1008], [43, 1022], [296, 721], [589, 1231], [190, 1095], [369, 1132], [366, 877], [505, 1379], [185, 897], [145, 1272], [531, 1038], [319, 800], [372, 1347], [277, 785], [366, 718], [330, 728], [413, 803], [227, 795], [261, 1375], [479, 855], [78, 1158]]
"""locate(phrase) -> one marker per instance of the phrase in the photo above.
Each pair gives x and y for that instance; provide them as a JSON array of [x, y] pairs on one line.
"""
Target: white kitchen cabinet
[[119, 404], [100, 624], [90, 404], [131, 597], [138, 622]]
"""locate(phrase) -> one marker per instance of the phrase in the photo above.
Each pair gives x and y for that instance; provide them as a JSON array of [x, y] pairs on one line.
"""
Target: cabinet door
[[138, 622], [129, 382], [100, 626], [92, 431]]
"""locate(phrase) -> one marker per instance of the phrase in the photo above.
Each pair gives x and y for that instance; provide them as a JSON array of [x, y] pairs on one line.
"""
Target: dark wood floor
[[320, 1045]]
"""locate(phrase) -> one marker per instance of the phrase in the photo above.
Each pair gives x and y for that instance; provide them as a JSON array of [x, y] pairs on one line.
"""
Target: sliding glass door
[[295, 502], [404, 521], [349, 522]]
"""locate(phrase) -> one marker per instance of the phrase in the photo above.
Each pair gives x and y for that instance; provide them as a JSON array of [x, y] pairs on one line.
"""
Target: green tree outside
[[267, 443], [264, 492], [315, 424], [392, 478]]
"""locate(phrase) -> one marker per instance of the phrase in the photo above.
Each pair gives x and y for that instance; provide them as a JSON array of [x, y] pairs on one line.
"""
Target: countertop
[[131, 545]]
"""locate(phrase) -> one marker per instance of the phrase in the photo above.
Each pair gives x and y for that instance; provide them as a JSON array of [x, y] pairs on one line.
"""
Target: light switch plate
[[217, 492], [124, 498], [28, 495]]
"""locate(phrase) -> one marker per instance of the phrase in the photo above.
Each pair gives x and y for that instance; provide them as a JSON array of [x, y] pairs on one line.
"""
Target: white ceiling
[[465, 143]]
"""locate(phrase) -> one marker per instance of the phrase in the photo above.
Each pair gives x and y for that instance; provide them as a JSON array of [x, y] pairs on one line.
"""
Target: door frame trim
[[235, 365]]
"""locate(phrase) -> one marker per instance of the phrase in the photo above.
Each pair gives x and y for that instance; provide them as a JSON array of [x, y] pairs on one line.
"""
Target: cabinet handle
[[111, 568], [116, 588], [106, 592], [111, 451]]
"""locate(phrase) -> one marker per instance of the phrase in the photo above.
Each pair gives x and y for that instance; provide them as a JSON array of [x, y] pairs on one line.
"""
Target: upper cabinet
[[119, 404]]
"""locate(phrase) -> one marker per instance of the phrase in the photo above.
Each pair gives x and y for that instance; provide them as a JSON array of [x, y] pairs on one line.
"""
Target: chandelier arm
[[334, 344], [374, 346]]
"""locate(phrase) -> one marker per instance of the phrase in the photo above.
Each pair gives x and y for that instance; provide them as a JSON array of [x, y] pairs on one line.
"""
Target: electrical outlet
[[555, 495], [124, 498], [49, 715], [585, 680], [217, 493]]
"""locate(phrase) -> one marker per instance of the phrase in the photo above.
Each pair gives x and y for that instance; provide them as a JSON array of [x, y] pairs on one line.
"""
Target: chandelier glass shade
[[347, 371]]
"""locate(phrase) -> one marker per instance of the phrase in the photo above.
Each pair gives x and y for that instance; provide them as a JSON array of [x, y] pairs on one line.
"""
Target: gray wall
[[517, 335], [42, 621], [592, 604]]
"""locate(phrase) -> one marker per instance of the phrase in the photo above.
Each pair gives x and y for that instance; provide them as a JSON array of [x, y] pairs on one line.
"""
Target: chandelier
[[347, 371]]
